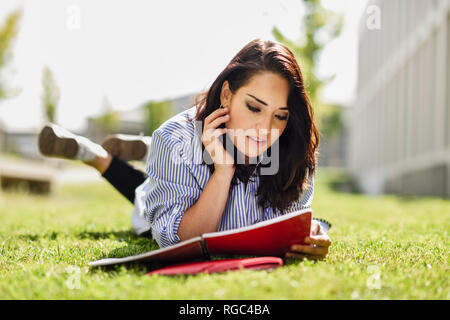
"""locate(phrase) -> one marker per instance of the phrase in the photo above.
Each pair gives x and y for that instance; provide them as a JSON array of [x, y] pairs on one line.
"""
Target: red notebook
[[272, 237], [260, 263]]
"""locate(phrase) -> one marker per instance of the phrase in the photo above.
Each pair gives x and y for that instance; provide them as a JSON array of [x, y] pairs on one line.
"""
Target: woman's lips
[[257, 141]]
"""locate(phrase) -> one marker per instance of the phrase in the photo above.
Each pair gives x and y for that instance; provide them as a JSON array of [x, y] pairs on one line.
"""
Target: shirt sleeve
[[170, 189]]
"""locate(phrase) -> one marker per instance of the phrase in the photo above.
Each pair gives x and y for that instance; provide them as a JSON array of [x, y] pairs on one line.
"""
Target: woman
[[246, 152]]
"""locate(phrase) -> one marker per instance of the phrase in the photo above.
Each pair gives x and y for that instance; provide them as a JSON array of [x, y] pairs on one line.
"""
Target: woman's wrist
[[224, 173]]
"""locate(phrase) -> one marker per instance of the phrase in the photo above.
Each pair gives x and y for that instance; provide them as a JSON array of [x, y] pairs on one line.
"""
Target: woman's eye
[[252, 108], [282, 118]]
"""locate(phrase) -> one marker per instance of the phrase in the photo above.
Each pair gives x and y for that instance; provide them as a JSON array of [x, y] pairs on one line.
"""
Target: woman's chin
[[252, 153], [249, 147]]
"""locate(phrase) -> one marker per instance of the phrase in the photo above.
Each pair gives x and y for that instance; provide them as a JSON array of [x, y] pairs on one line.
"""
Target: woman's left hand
[[316, 246]]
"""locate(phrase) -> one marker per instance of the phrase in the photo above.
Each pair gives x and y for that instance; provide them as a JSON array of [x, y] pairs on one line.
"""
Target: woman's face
[[258, 112]]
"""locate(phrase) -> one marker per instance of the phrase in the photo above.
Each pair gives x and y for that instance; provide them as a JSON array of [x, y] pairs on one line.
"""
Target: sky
[[129, 52]]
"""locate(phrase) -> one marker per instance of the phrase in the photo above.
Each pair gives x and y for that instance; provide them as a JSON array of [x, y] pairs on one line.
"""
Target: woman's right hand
[[223, 161]]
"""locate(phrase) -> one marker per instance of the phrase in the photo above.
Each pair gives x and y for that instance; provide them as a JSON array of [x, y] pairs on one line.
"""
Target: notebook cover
[[214, 266], [272, 237], [268, 238], [186, 250]]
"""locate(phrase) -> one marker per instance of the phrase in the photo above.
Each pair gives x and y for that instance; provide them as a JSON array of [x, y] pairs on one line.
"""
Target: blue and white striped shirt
[[177, 177]]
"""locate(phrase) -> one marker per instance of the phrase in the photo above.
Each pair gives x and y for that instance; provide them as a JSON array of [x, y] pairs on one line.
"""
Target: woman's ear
[[225, 94]]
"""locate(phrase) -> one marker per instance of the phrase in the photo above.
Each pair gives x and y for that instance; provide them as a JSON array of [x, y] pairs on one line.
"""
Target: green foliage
[[8, 33], [109, 120], [320, 26], [402, 242], [51, 94], [157, 112], [331, 120]]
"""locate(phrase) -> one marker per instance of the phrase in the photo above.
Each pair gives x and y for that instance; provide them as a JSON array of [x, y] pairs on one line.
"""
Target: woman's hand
[[223, 161], [317, 245]]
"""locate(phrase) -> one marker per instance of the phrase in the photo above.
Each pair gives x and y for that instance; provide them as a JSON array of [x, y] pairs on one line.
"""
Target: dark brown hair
[[299, 140]]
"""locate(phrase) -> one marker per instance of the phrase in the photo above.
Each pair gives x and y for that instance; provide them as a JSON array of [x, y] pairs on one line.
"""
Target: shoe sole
[[52, 145], [124, 149]]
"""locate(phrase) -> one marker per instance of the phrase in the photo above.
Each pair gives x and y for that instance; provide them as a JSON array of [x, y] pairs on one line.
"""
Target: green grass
[[384, 247]]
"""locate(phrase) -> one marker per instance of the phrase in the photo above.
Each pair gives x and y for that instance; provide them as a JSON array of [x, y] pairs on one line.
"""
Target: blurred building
[[134, 121], [333, 149], [24, 143], [129, 122], [399, 125]]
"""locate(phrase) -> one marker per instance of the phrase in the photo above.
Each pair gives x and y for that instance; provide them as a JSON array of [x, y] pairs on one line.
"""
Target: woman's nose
[[264, 127]]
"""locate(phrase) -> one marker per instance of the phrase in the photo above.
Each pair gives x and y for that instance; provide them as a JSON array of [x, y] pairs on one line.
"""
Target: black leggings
[[124, 177]]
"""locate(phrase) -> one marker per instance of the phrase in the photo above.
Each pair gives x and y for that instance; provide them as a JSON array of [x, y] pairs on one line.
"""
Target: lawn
[[384, 247]]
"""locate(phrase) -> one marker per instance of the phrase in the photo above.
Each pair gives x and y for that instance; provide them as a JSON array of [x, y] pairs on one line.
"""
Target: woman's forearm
[[204, 216]]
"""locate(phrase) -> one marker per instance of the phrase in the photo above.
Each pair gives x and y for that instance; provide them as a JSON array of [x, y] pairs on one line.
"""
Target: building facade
[[399, 124]]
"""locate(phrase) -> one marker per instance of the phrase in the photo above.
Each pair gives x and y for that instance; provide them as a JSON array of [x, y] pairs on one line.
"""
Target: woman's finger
[[295, 255], [315, 228], [218, 121], [320, 240], [310, 249], [214, 114], [210, 134]]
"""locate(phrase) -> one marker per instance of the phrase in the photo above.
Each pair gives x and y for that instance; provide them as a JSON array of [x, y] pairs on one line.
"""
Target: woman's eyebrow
[[264, 103]]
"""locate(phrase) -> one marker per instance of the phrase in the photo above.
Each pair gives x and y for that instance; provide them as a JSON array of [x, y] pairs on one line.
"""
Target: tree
[[8, 33], [320, 27], [157, 112], [109, 120], [51, 94]]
